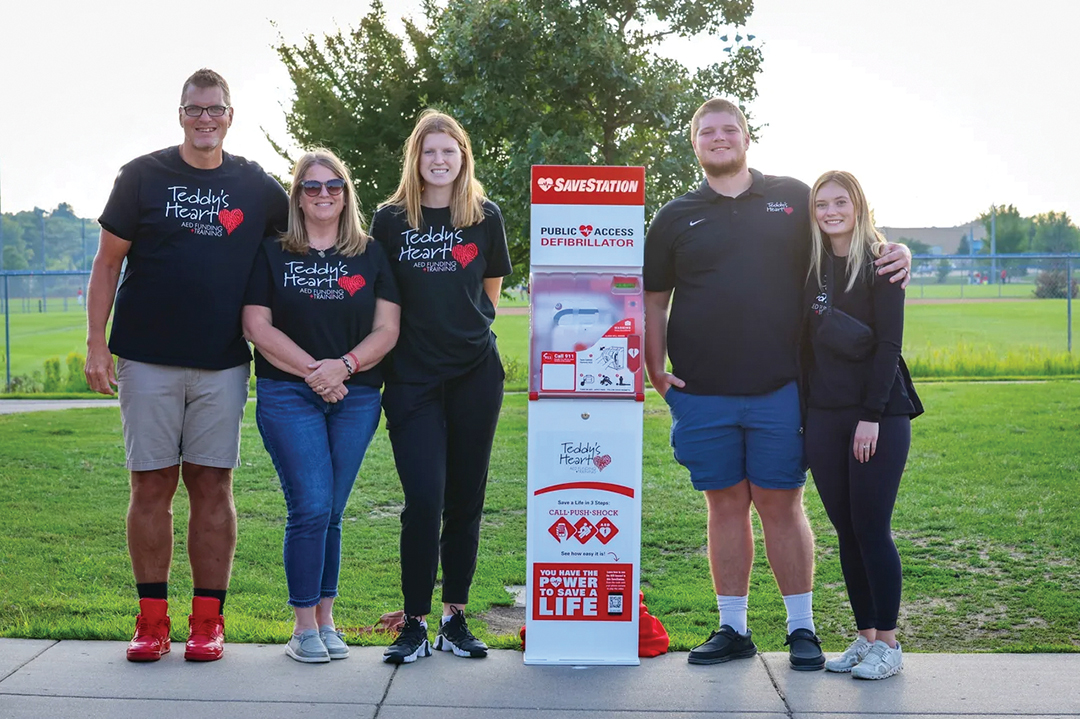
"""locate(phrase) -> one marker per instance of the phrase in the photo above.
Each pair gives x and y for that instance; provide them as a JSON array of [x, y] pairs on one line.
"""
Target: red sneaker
[[152, 626], [207, 630]]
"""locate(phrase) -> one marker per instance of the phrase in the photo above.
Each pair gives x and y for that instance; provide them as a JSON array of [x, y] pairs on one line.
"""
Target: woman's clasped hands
[[328, 379]]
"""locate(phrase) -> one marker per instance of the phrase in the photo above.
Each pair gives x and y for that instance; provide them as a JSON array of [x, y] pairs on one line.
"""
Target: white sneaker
[[881, 662], [851, 656]]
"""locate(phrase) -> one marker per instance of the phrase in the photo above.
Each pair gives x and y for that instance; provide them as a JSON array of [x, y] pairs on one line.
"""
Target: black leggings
[[442, 434], [859, 500]]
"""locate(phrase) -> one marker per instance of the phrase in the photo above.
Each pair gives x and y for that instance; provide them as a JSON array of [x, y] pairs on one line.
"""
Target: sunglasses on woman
[[312, 188]]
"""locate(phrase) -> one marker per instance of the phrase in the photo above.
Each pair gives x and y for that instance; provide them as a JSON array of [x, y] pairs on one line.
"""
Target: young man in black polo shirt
[[189, 221], [735, 252]]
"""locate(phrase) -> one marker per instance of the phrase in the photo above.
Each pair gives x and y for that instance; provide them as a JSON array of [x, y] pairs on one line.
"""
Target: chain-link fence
[[36, 292], [959, 277], [44, 325], [982, 315]]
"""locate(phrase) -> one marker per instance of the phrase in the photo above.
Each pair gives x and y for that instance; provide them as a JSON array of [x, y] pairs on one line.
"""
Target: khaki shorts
[[174, 414]]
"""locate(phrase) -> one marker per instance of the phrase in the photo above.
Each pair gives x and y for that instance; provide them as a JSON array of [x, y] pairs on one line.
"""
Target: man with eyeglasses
[[188, 220]]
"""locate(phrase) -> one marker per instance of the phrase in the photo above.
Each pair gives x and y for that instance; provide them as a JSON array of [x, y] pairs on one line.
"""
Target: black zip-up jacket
[[880, 384]]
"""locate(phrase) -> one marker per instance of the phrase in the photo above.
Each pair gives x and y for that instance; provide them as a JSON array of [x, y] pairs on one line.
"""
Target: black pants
[[859, 500], [442, 434]]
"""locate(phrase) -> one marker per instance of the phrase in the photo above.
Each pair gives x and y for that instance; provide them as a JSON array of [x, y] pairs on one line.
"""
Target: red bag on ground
[[653, 639]]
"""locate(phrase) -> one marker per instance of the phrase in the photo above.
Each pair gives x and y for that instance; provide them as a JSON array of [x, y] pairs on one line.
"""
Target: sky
[[940, 107]]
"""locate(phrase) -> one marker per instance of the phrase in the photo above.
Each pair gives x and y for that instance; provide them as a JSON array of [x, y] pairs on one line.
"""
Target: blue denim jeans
[[317, 449]]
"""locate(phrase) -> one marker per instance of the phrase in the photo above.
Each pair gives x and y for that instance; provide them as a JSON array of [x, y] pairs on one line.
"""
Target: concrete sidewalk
[[14, 406], [93, 679]]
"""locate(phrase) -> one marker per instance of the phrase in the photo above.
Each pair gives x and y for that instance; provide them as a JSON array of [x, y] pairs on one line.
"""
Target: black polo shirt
[[737, 266]]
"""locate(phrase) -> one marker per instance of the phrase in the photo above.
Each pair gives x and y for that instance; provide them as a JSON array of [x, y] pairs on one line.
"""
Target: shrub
[[964, 360], [943, 270], [517, 372], [53, 378], [27, 384], [76, 378], [1050, 284]]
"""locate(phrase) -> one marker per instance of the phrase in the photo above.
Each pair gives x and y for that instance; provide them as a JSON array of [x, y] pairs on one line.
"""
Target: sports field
[[1019, 334]]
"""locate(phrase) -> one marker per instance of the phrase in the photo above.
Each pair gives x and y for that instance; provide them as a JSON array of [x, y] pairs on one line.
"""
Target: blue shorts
[[725, 439]]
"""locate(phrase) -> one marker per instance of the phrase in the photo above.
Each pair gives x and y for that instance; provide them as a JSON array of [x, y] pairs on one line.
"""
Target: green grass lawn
[[988, 525], [996, 325], [953, 339], [35, 337]]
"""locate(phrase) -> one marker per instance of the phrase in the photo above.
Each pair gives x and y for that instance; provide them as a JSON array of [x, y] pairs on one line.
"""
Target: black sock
[[218, 594], [153, 590]]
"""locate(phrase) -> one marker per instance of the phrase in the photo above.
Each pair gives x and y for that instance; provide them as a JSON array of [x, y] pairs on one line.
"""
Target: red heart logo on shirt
[[352, 283], [465, 253], [601, 462], [230, 219], [789, 210], [586, 230]]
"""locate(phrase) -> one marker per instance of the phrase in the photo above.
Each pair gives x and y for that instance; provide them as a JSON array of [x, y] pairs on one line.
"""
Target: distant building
[[942, 240]]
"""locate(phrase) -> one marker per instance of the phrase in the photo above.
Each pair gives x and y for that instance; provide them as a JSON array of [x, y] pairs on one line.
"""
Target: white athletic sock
[[800, 612], [733, 611], [446, 618]]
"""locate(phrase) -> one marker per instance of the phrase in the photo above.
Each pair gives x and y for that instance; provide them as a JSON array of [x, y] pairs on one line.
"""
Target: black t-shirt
[[737, 267], [326, 305], [445, 314], [194, 234], [875, 384]]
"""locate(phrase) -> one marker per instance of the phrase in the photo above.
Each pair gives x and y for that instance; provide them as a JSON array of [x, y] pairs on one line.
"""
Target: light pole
[[993, 243], [44, 298]]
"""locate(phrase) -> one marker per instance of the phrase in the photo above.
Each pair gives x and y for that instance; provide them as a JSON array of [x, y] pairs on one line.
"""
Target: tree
[[917, 247], [63, 242], [14, 245], [533, 81], [64, 210], [1013, 236], [964, 248], [358, 93], [574, 82], [1055, 232], [1013, 231]]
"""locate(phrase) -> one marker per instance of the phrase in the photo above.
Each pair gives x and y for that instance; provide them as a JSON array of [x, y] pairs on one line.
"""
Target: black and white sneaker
[[410, 645], [454, 636]]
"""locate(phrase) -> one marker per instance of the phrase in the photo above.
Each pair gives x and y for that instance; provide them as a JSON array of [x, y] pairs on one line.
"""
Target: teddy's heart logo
[[351, 283], [605, 530], [633, 352], [585, 230], [230, 219], [464, 253], [545, 183], [789, 210], [556, 581], [601, 461]]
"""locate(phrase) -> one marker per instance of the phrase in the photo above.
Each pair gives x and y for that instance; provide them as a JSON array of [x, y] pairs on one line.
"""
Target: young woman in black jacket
[[860, 402]]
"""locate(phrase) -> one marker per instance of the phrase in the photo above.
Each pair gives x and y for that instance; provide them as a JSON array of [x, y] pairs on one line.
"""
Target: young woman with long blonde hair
[[860, 404], [447, 247]]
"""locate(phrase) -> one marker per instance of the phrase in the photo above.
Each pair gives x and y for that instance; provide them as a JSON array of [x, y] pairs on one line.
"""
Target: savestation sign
[[585, 415]]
